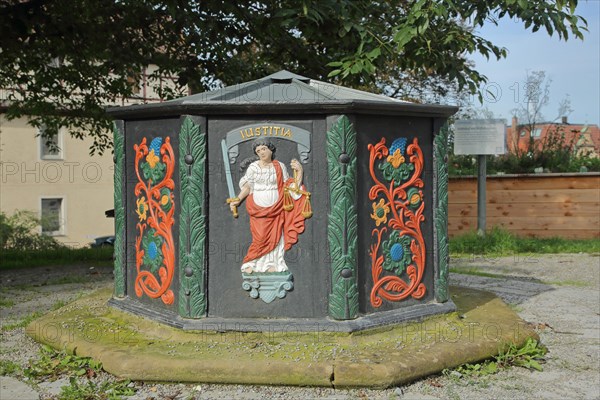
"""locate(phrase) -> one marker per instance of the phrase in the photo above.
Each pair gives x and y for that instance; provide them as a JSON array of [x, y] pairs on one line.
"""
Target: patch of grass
[[58, 304], [8, 367], [23, 323], [53, 363], [6, 302], [12, 259], [474, 370], [530, 356], [500, 242], [90, 390]]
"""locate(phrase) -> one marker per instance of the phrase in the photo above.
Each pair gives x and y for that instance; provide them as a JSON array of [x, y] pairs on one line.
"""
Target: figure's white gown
[[263, 186]]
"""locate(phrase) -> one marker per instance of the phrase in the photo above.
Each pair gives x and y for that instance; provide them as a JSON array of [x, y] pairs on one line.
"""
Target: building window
[[52, 216], [133, 80], [537, 132], [50, 147]]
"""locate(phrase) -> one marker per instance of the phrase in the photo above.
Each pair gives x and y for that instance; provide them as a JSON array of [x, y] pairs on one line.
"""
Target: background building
[[585, 138], [67, 188]]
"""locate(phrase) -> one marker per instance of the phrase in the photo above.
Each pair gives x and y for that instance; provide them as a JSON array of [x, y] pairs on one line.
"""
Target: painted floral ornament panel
[[154, 245], [398, 251]]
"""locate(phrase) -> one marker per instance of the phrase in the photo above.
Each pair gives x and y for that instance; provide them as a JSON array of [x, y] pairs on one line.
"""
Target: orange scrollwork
[[400, 210], [154, 245]]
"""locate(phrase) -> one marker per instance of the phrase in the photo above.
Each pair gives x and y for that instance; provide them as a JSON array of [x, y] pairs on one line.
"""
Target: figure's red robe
[[267, 224]]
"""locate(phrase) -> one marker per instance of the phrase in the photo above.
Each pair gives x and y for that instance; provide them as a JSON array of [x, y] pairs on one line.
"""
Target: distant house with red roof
[[586, 137]]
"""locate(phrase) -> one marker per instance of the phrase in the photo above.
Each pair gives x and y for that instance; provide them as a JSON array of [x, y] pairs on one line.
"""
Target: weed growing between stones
[[53, 363], [89, 390], [530, 356], [58, 304], [8, 367], [80, 371], [6, 302]]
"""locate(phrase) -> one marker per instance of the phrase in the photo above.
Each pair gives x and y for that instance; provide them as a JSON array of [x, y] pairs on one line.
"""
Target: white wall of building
[[83, 182]]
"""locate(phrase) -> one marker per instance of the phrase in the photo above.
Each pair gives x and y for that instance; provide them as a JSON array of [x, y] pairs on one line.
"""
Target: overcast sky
[[573, 66]]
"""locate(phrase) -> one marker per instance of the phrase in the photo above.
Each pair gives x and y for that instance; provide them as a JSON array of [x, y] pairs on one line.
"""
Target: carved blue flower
[[396, 253], [151, 243], [400, 144], [152, 251], [155, 145]]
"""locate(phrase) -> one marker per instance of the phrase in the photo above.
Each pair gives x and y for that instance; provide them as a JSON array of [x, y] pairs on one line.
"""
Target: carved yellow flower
[[396, 159], [380, 212], [142, 208], [152, 159]]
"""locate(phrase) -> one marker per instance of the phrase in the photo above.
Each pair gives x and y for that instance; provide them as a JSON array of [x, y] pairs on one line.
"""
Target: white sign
[[479, 136]]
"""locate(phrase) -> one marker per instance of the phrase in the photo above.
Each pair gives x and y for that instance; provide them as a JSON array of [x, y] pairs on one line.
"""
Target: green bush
[[21, 246], [18, 232], [462, 165]]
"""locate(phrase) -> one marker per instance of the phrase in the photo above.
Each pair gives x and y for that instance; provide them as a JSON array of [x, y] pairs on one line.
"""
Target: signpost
[[480, 137]]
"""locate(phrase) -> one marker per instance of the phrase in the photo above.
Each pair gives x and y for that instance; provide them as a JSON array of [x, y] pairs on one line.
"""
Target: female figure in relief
[[276, 205]]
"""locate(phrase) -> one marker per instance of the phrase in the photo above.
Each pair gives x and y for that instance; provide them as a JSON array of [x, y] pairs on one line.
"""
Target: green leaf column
[[119, 179], [441, 213], [192, 219], [342, 219]]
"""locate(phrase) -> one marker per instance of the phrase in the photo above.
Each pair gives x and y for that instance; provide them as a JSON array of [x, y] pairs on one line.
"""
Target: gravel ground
[[558, 294]]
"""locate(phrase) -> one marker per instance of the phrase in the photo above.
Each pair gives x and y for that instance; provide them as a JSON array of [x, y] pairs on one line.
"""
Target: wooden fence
[[541, 205]]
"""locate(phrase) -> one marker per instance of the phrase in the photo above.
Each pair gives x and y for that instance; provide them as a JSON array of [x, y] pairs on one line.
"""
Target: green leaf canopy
[[61, 62]]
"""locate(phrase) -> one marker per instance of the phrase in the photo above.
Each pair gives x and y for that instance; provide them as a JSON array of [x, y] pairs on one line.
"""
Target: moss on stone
[[133, 347]]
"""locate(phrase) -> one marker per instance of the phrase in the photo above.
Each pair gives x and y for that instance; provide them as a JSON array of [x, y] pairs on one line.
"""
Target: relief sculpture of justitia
[[277, 206]]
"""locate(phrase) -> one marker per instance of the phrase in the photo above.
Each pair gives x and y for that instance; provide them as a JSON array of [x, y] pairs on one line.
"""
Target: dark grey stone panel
[[229, 238]]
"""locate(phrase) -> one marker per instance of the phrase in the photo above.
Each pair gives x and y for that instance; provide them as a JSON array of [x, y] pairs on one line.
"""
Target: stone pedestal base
[[268, 286], [137, 348]]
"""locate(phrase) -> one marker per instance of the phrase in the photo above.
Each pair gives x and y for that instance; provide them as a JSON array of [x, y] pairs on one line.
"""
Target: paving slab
[[14, 389], [53, 388]]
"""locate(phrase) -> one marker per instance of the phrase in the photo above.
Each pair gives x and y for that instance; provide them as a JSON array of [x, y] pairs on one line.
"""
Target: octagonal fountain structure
[[351, 235]]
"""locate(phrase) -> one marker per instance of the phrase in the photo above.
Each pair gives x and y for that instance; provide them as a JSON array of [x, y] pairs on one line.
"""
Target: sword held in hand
[[232, 197], [231, 200]]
